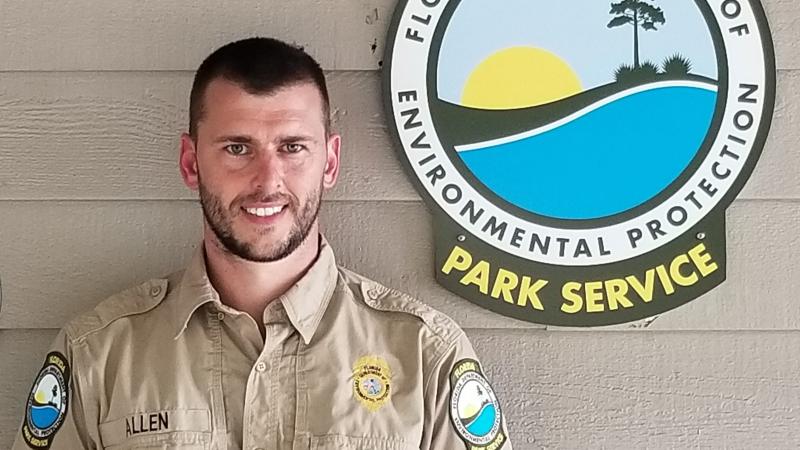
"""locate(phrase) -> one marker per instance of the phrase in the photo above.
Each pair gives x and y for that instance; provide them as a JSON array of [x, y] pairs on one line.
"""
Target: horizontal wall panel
[[59, 258], [666, 390], [177, 35], [587, 390], [115, 136]]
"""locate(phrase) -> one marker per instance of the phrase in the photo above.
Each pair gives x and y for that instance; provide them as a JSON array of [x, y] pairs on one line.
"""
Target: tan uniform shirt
[[346, 364]]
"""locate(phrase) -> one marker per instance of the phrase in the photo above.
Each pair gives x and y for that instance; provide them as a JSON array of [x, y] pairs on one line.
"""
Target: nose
[[267, 175]]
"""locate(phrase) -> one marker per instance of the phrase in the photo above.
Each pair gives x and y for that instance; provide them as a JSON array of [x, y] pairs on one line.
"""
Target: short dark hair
[[260, 66]]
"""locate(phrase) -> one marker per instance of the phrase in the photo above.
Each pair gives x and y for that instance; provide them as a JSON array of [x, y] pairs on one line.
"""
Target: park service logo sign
[[579, 156]]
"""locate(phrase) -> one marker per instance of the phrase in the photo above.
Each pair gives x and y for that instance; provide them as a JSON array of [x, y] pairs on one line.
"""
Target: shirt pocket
[[341, 442], [167, 429]]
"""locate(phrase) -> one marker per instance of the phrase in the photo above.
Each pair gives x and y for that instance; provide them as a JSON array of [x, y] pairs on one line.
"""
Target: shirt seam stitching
[[438, 363], [79, 378]]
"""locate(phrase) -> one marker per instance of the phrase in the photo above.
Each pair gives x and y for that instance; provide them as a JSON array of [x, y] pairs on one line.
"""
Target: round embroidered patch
[[47, 402], [372, 382], [474, 409]]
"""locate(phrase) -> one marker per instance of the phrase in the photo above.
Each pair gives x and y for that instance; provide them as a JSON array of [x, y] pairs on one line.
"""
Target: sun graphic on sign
[[519, 77]]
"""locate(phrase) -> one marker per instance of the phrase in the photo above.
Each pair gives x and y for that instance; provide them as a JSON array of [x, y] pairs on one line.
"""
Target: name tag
[[147, 423], [151, 423]]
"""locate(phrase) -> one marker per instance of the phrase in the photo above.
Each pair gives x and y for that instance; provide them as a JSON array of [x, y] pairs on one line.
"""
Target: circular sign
[[579, 134]]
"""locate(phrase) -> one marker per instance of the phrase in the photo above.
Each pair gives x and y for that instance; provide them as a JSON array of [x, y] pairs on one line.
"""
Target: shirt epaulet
[[382, 298], [135, 300]]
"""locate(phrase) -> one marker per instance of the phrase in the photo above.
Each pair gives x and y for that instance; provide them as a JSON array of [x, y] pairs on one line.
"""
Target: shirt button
[[261, 366], [220, 316], [155, 290], [373, 293]]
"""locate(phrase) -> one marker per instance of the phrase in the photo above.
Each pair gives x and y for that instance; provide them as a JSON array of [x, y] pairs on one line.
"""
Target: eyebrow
[[296, 138], [237, 138], [243, 139]]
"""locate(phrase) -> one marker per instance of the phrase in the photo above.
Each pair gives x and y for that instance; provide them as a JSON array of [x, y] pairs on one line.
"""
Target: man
[[263, 342]]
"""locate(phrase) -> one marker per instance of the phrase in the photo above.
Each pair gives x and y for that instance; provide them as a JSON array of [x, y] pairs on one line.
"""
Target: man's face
[[261, 164]]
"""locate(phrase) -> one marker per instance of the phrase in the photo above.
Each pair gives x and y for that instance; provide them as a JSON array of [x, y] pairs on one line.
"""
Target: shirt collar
[[194, 290], [305, 302]]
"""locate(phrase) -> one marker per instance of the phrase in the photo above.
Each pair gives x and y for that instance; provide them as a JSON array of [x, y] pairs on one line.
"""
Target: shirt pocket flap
[[190, 425]]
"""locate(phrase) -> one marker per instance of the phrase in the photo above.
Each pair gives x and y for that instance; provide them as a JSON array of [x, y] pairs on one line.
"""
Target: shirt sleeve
[[461, 408], [54, 412]]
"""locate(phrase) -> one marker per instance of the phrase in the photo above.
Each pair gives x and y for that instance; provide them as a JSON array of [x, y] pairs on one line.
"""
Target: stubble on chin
[[220, 220]]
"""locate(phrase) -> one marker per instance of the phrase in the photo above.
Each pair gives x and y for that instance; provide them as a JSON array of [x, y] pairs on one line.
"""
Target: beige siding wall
[[92, 98]]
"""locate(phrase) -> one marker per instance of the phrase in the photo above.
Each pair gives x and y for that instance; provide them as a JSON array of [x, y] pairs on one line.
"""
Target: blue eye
[[236, 149]]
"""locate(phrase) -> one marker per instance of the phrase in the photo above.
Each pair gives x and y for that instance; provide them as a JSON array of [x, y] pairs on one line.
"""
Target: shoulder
[[136, 300], [400, 306]]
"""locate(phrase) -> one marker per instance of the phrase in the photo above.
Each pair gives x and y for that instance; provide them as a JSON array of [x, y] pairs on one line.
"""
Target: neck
[[250, 286]]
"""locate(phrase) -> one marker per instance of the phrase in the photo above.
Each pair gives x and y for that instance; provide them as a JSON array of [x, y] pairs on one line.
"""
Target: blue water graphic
[[605, 162], [483, 423], [44, 416]]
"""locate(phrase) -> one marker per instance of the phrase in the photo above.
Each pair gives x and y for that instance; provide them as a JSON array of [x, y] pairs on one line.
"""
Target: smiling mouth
[[264, 212]]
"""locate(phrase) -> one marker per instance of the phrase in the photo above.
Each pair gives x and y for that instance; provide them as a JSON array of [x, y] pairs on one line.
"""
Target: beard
[[220, 220]]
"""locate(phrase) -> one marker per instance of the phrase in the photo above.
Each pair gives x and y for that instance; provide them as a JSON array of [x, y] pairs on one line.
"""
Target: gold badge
[[372, 382]]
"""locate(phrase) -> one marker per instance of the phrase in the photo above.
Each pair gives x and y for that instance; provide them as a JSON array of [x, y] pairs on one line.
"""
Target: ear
[[188, 162], [331, 173]]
